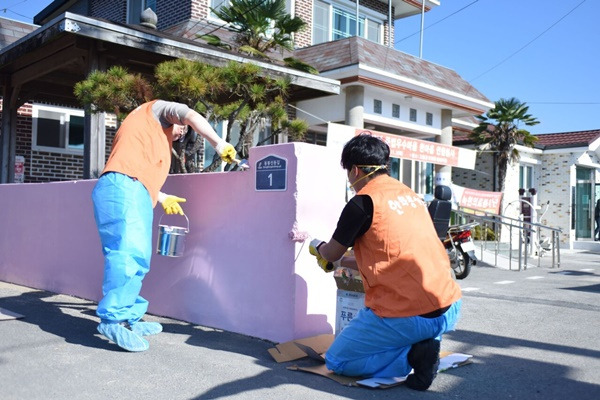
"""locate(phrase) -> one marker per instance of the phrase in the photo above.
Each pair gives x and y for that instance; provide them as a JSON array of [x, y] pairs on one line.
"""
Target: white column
[[443, 173], [355, 100]]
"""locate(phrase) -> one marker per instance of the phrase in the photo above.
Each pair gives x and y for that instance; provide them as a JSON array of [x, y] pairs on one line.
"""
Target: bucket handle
[[186, 218]]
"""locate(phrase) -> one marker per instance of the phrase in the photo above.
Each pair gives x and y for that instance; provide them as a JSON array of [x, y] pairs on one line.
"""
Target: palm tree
[[499, 132], [261, 27]]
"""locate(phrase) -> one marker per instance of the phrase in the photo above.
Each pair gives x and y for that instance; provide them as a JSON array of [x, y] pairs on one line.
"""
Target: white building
[[562, 173]]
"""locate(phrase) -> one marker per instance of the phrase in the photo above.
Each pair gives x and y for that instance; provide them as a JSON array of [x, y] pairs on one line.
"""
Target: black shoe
[[424, 357]]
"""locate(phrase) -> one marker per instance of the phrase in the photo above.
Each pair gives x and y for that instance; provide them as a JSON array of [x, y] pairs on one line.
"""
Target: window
[[135, 8], [413, 115], [57, 129], [321, 24], [344, 24], [525, 176], [332, 21], [395, 110], [316, 138], [373, 30], [419, 176], [429, 118], [377, 106]]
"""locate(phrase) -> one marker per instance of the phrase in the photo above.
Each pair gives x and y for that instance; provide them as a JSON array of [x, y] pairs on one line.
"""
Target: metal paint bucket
[[171, 239]]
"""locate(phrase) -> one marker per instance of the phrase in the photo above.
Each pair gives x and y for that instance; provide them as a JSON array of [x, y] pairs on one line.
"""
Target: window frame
[[67, 112], [366, 16], [377, 106], [429, 119], [412, 115], [395, 110], [526, 176]]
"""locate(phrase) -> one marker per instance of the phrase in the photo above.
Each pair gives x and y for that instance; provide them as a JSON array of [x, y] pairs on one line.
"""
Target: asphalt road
[[534, 334]]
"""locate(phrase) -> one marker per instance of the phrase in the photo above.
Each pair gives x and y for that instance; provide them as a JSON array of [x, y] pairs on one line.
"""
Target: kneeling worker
[[410, 296]]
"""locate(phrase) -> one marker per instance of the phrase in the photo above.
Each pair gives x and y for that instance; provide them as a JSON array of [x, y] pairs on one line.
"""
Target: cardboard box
[[350, 298]]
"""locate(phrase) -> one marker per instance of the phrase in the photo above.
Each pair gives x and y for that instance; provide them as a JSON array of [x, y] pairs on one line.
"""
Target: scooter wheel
[[461, 265]]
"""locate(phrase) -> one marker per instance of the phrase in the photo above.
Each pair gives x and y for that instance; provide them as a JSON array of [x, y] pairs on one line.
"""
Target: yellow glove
[[313, 249], [226, 151], [171, 203]]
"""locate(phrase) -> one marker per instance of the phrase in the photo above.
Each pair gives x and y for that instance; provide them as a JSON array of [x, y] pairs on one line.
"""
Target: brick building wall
[[554, 185], [168, 12], [174, 11], [48, 166], [304, 10], [42, 166], [112, 10], [481, 178], [199, 10]]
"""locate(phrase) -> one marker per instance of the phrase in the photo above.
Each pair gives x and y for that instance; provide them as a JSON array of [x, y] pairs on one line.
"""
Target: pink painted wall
[[245, 268]]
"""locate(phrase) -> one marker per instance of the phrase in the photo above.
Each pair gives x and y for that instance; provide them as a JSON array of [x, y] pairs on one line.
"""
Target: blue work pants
[[123, 213], [372, 346]]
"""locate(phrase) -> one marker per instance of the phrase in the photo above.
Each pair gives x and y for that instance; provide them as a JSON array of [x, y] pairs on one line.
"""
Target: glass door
[[584, 210]]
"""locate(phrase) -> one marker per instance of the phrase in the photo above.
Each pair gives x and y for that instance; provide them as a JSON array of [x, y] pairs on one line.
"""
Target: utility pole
[[422, 27]]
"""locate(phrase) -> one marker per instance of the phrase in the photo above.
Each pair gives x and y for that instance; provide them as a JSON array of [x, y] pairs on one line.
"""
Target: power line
[[16, 13], [437, 22], [528, 43], [4, 10], [565, 102]]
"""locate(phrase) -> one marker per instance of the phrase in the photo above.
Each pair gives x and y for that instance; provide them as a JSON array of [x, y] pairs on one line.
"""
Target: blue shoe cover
[[143, 328], [123, 337]]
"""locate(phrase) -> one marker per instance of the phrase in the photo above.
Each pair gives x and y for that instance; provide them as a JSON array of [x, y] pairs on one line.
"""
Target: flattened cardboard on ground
[[316, 346], [6, 315], [289, 351], [448, 360]]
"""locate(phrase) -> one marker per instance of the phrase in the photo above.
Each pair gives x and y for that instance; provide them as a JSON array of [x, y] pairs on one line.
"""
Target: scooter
[[461, 249]]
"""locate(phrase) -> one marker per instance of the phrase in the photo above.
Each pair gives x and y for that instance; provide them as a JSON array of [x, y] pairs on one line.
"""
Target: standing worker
[[410, 296], [124, 198]]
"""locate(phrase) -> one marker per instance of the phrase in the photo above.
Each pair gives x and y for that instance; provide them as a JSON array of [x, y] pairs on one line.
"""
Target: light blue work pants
[[123, 212], [371, 346]]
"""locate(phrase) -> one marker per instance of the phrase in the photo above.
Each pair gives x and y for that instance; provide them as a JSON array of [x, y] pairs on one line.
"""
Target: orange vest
[[142, 150], [404, 266]]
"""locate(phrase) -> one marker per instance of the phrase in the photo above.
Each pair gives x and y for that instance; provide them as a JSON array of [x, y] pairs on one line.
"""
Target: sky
[[544, 53]]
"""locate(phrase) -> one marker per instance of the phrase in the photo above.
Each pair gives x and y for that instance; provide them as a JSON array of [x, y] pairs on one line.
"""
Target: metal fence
[[511, 239]]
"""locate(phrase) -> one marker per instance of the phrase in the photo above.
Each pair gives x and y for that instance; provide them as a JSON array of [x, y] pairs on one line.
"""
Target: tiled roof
[[546, 141], [567, 139], [11, 31], [354, 50], [460, 138]]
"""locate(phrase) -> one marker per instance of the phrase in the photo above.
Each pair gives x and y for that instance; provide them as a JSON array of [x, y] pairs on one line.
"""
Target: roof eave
[[105, 31], [467, 104]]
